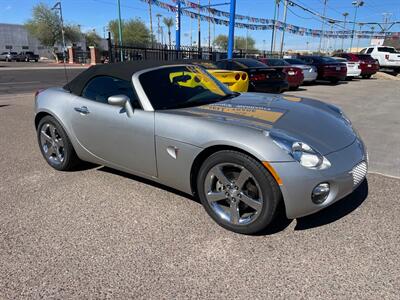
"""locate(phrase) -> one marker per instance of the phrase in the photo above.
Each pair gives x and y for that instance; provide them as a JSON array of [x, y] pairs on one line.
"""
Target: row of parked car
[[22, 56], [279, 75]]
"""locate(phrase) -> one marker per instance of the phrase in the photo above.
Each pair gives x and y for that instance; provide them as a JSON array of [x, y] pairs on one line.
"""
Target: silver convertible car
[[242, 155]]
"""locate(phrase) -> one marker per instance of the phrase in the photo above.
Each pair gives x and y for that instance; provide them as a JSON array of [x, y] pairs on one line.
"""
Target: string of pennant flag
[[264, 24]]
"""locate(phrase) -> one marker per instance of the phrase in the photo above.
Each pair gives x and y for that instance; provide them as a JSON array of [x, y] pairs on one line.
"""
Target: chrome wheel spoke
[[234, 213], [59, 142], [49, 152], [242, 178], [215, 196], [217, 172], [253, 203], [53, 132], [45, 136]]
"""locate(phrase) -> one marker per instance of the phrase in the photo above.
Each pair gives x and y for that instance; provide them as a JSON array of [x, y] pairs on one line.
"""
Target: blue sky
[[95, 14]]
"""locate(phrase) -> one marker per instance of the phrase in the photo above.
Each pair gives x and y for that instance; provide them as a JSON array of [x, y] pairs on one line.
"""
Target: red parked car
[[368, 65], [327, 67], [295, 76]]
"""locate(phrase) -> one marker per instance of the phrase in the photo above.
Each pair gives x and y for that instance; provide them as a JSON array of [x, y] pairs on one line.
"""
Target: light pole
[[286, 3], [322, 27], [358, 38], [59, 8], [331, 22], [345, 14], [357, 4], [273, 26], [231, 36], [120, 32], [198, 29]]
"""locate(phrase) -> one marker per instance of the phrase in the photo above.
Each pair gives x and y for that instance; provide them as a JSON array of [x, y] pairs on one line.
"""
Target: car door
[[108, 133]]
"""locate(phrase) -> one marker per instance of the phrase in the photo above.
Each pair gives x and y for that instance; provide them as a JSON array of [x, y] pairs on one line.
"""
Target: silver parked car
[[310, 72], [8, 56], [243, 155]]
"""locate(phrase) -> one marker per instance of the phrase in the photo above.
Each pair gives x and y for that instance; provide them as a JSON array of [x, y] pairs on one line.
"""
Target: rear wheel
[[366, 76], [293, 88], [238, 192], [55, 145]]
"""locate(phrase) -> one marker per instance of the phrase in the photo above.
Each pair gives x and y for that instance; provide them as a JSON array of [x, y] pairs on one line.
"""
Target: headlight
[[301, 152]]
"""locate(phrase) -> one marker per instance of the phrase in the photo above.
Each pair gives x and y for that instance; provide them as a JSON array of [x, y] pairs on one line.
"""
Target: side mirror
[[122, 101], [118, 100]]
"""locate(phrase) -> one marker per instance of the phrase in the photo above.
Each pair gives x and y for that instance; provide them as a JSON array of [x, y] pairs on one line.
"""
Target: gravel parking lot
[[98, 233]]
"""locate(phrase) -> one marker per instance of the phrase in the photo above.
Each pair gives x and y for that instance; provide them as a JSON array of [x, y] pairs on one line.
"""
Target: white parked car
[[353, 67], [388, 57]]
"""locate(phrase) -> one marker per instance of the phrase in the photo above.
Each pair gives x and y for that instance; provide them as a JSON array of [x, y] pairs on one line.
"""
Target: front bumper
[[343, 176]]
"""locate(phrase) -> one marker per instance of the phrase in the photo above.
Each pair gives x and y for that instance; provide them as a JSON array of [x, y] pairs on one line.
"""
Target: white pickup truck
[[387, 57]]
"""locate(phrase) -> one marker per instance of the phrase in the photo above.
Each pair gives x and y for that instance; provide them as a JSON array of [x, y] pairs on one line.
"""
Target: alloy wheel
[[52, 144], [233, 193]]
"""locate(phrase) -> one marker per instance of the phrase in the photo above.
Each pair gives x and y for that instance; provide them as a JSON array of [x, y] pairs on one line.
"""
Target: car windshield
[[182, 86], [249, 63], [206, 64], [326, 59], [295, 61], [277, 62]]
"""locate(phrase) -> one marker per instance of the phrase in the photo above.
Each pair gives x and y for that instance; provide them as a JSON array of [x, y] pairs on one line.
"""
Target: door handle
[[83, 110]]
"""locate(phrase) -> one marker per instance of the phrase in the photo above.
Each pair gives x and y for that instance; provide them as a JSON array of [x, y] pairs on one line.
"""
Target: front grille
[[359, 172]]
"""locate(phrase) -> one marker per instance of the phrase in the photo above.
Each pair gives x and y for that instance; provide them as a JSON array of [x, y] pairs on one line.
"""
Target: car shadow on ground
[[328, 215], [4, 105], [148, 182], [336, 211]]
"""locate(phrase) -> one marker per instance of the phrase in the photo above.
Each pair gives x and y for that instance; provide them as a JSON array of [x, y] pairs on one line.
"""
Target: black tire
[[294, 88], [70, 159], [367, 76], [334, 81], [271, 195]]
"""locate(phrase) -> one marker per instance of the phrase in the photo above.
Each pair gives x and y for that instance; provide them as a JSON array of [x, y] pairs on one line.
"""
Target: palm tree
[[169, 22]]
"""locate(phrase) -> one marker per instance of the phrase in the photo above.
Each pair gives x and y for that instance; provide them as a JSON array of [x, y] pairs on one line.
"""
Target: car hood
[[318, 124]]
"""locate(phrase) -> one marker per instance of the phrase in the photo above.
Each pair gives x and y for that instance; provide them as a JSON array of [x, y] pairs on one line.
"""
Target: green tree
[[45, 25], [169, 22], [92, 39], [134, 32], [221, 41]]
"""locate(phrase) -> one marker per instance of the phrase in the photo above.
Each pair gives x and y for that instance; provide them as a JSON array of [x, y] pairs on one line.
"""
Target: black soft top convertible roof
[[120, 70]]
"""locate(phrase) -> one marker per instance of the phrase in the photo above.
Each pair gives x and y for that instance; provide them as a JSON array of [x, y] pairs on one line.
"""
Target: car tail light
[[237, 76], [386, 56], [244, 76], [258, 77]]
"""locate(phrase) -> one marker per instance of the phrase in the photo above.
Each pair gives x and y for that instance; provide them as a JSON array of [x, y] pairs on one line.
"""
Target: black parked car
[[27, 56], [262, 78]]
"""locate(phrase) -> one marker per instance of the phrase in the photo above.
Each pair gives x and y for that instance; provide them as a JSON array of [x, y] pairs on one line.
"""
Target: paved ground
[[98, 233]]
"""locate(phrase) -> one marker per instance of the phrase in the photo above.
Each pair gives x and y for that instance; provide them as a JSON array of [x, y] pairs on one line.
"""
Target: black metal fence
[[165, 53]]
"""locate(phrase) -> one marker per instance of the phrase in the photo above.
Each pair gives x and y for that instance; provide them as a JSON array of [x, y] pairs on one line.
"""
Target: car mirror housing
[[122, 101]]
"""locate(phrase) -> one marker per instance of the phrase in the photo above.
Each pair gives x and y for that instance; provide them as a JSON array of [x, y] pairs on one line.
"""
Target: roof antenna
[[58, 7]]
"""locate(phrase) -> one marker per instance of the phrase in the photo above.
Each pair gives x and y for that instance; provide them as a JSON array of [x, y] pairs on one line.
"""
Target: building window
[[25, 47], [9, 47]]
